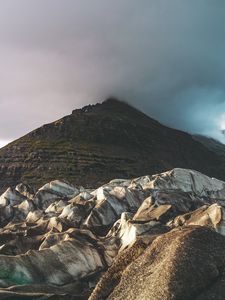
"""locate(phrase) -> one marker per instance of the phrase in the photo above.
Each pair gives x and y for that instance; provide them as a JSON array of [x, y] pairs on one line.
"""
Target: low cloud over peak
[[164, 57]]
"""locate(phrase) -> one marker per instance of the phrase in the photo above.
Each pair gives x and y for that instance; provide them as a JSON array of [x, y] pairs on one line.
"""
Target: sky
[[164, 57]]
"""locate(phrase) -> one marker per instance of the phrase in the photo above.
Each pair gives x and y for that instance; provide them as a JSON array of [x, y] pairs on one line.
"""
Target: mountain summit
[[99, 142]]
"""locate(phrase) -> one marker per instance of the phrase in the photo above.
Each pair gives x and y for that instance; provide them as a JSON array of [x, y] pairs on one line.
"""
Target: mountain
[[213, 145], [100, 142], [154, 237]]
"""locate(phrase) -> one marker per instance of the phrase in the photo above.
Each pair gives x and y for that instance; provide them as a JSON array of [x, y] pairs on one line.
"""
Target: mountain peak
[[111, 103]]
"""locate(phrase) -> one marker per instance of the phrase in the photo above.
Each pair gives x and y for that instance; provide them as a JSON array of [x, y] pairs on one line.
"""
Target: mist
[[164, 57]]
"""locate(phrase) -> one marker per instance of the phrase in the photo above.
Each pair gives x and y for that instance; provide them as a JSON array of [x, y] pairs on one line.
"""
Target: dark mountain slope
[[100, 142], [212, 144]]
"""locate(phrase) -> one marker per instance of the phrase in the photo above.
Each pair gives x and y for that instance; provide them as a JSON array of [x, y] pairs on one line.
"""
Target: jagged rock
[[60, 188], [78, 234], [25, 190], [163, 205], [6, 214], [153, 213], [111, 202], [127, 230], [23, 209], [211, 216], [74, 257], [53, 191], [83, 196], [11, 197], [77, 211], [56, 207], [52, 238], [34, 216], [188, 181], [65, 262], [44, 198]]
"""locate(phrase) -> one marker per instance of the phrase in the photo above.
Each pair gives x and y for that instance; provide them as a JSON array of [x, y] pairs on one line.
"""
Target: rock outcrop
[[142, 238]]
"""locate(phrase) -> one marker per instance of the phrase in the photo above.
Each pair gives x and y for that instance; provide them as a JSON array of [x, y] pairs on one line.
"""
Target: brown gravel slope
[[185, 264]]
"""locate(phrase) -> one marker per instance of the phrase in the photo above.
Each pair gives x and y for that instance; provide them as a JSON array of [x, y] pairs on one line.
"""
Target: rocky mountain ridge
[[98, 143], [122, 240]]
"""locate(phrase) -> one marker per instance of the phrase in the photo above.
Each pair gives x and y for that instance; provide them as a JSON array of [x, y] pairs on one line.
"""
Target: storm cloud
[[164, 57]]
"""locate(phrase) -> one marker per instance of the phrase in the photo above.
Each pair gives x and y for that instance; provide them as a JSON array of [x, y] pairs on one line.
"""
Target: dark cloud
[[164, 57]]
